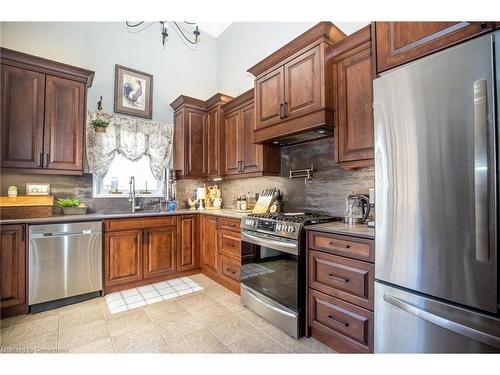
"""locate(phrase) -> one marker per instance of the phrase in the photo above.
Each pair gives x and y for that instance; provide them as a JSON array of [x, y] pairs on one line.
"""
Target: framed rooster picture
[[133, 92]]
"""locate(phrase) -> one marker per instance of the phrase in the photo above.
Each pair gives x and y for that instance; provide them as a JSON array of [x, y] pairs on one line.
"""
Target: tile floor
[[208, 321]]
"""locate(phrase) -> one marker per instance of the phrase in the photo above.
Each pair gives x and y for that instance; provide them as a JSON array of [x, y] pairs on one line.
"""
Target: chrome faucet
[[131, 194]]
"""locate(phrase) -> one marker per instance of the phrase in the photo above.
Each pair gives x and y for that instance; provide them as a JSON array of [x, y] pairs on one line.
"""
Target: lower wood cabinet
[[208, 250], [123, 257], [160, 251], [141, 251], [221, 250], [187, 237], [13, 268], [341, 276], [343, 326]]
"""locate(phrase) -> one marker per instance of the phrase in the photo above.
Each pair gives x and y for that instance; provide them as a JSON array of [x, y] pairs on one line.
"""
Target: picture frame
[[37, 189], [133, 92]]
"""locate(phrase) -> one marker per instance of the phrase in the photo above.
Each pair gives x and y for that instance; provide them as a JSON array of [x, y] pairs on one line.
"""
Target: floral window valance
[[131, 137]]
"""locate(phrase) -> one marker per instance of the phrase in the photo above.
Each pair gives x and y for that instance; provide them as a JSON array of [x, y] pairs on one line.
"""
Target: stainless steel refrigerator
[[436, 186]]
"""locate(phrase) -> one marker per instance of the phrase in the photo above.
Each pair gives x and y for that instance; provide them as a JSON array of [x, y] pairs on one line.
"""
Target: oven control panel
[[280, 228]]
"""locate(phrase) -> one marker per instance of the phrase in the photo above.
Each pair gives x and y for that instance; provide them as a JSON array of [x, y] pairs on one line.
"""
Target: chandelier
[[164, 30]]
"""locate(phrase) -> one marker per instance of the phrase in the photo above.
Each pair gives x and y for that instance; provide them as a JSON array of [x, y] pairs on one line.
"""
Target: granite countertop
[[339, 227], [120, 215]]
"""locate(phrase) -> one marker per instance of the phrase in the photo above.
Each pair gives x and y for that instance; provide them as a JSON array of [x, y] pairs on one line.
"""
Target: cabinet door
[[22, 95], [269, 98], [303, 84], [13, 267], [123, 257], [354, 108], [179, 150], [251, 153], [209, 257], [64, 124], [160, 250], [400, 42], [187, 258], [213, 142], [232, 135], [195, 142]]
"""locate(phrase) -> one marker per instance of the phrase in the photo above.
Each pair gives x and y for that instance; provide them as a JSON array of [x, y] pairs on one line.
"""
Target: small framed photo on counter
[[37, 189]]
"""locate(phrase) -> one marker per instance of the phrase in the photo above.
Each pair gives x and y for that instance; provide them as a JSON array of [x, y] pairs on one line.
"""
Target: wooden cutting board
[[26, 206]]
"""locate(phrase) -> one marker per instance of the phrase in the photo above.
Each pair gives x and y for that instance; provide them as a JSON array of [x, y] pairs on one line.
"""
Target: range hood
[[307, 136]]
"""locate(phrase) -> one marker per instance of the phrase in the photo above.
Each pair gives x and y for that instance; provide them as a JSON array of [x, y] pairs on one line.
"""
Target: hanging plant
[[99, 125]]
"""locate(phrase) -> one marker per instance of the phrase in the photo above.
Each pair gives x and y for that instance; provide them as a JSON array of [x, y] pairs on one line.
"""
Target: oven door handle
[[286, 247]]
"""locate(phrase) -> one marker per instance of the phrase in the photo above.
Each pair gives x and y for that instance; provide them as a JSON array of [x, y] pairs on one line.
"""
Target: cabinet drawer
[[230, 243], [229, 224], [352, 247], [138, 223], [230, 267], [344, 327], [344, 278]]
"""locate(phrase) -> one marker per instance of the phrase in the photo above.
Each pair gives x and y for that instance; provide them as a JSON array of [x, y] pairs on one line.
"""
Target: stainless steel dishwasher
[[65, 260]]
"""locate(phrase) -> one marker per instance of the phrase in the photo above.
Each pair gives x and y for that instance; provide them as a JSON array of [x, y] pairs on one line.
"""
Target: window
[[116, 182]]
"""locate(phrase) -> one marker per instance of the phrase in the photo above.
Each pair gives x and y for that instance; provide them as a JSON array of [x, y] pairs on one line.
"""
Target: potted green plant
[[99, 125], [72, 206]]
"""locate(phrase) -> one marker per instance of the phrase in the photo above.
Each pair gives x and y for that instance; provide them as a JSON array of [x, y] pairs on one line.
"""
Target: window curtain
[[131, 137]]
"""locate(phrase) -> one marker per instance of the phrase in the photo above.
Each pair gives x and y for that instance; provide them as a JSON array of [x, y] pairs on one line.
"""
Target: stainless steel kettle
[[357, 208]]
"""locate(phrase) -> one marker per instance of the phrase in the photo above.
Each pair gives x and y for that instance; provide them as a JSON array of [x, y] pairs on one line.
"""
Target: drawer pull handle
[[231, 270], [343, 324], [335, 277], [333, 244]]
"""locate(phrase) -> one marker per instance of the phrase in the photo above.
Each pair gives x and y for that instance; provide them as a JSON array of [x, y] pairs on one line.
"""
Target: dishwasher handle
[[64, 234]]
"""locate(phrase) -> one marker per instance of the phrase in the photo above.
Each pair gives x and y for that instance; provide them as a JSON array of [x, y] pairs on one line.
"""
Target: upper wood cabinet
[[398, 43], [353, 89], [292, 85], [215, 134], [64, 116], [198, 152], [244, 157], [43, 114], [13, 269]]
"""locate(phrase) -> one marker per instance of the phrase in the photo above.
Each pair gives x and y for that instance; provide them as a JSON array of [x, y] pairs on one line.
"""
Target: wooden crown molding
[[42, 65], [323, 31], [217, 99], [239, 100], [188, 101], [354, 40]]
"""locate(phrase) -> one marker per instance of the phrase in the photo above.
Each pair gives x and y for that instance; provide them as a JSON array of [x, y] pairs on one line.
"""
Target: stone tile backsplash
[[326, 193]]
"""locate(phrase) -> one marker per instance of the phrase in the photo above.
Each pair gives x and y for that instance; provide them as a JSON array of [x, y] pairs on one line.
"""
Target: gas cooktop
[[285, 225]]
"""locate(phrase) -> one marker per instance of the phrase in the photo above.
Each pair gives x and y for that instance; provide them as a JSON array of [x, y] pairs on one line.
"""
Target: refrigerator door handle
[[481, 169], [450, 325]]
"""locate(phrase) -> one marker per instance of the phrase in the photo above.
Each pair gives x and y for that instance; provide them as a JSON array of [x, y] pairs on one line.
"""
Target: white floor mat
[[145, 295]]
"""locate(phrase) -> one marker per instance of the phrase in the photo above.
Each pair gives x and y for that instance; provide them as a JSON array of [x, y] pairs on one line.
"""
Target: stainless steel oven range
[[273, 280]]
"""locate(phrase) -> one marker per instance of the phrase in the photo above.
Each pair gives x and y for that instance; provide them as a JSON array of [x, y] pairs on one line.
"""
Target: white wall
[[177, 68], [243, 44]]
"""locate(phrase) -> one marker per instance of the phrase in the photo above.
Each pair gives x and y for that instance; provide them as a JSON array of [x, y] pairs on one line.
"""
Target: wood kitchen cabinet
[[243, 157], [43, 114], [397, 43], [215, 135], [190, 143], [123, 257], [188, 239], [160, 251], [340, 274], [353, 91], [198, 150], [13, 268], [292, 92], [209, 242], [145, 250]]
